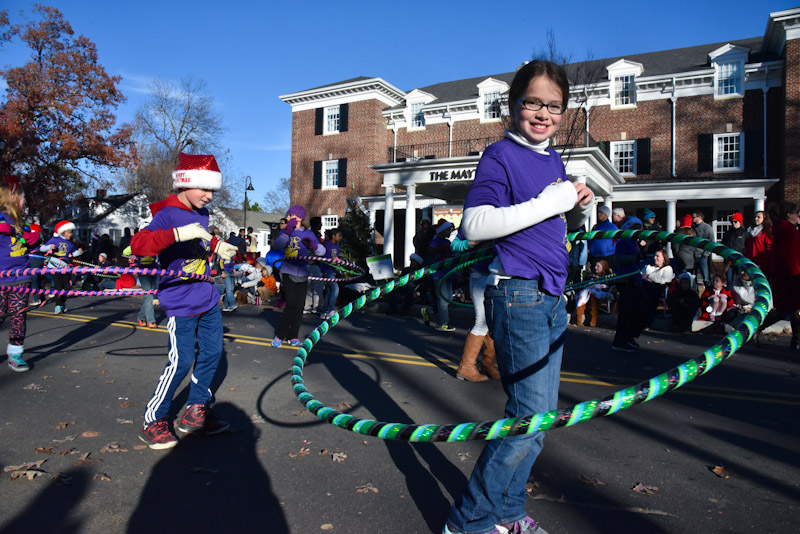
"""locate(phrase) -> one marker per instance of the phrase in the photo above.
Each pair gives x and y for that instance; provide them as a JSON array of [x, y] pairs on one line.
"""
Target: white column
[[388, 221], [759, 203], [411, 223], [608, 202], [372, 217], [593, 216], [671, 218]]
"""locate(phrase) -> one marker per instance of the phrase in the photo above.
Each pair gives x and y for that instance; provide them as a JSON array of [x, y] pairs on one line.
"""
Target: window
[[728, 152], [332, 119], [329, 222], [491, 105], [624, 90], [417, 116], [331, 176], [729, 78], [623, 156]]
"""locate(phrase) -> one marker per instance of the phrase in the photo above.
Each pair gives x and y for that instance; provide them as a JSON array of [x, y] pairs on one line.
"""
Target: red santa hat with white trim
[[197, 171], [63, 226]]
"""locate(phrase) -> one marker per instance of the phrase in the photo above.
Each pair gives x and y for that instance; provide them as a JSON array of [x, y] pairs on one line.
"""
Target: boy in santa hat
[[178, 235], [61, 251]]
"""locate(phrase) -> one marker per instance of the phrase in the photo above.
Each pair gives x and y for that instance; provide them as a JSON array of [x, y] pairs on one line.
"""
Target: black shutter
[[705, 152], [753, 150], [344, 111], [317, 175], [343, 172], [643, 156], [318, 117], [604, 146]]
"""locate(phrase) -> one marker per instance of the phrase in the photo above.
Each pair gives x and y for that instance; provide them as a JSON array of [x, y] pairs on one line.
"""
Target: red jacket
[[705, 301], [785, 279]]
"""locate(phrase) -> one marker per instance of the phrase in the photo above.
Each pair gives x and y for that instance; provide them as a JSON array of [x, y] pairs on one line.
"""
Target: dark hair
[[534, 69], [700, 214]]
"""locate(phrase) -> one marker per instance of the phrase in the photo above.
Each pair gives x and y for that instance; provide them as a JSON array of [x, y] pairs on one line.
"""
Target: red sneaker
[[157, 435], [142, 323], [198, 417], [152, 325]]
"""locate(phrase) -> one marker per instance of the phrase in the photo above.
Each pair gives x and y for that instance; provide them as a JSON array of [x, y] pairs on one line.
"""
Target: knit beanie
[[296, 210], [648, 214], [687, 221]]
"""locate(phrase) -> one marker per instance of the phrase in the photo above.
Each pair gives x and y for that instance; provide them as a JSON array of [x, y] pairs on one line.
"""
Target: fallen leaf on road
[[113, 447], [590, 481], [75, 371], [35, 387], [303, 452], [647, 490], [68, 438], [463, 456], [365, 488], [326, 526], [110, 381], [343, 405], [90, 434], [127, 404], [62, 426], [125, 421], [139, 447], [530, 487], [62, 479], [45, 377], [45, 450], [30, 474], [339, 456], [28, 465], [65, 452], [232, 389], [86, 460], [102, 476], [723, 472], [257, 419]]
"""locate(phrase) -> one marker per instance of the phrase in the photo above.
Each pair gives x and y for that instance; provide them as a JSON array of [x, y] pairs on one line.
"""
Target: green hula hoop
[[579, 413]]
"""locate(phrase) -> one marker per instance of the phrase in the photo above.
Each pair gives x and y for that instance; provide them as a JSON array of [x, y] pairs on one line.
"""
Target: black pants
[[61, 281], [630, 312], [295, 295]]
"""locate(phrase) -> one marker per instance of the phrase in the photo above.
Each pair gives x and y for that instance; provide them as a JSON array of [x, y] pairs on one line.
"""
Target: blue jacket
[[600, 248]]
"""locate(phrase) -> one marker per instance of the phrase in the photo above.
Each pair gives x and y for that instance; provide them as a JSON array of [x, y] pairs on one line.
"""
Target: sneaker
[[498, 530], [155, 302], [35, 302], [295, 342], [523, 526], [633, 343], [235, 307], [152, 325], [445, 328], [426, 316], [142, 322], [157, 435], [276, 342], [198, 417], [17, 364], [59, 309], [623, 348], [227, 309]]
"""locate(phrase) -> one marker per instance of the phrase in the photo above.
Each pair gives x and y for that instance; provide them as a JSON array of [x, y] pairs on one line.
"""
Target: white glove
[[191, 231], [225, 250]]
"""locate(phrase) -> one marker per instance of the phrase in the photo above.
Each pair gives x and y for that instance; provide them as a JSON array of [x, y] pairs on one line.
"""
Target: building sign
[[446, 176]]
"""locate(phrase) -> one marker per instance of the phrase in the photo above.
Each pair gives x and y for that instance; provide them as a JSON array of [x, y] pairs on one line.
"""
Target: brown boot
[[466, 369], [580, 311], [488, 365], [594, 306]]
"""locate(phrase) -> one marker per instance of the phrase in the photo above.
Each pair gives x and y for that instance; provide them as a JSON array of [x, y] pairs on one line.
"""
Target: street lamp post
[[248, 186]]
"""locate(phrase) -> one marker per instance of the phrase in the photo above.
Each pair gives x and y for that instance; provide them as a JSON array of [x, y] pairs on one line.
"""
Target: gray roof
[[254, 218], [351, 80], [655, 64]]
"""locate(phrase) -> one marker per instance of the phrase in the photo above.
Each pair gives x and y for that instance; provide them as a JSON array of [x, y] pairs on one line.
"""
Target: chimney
[[101, 194]]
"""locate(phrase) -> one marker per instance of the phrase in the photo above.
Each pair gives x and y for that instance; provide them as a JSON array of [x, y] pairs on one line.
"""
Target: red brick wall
[[791, 145], [364, 143]]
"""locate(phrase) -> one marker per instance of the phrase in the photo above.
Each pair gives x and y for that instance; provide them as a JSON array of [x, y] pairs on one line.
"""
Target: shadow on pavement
[[211, 484]]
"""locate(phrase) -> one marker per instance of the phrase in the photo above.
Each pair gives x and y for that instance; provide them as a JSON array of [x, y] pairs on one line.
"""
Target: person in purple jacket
[[332, 250], [296, 240], [16, 238], [60, 252], [523, 200], [178, 235]]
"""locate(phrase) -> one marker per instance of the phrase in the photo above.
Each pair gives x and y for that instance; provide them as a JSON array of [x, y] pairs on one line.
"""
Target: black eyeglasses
[[555, 108]]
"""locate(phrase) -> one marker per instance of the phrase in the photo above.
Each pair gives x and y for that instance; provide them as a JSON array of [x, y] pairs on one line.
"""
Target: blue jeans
[[205, 331], [331, 294], [228, 299], [442, 306], [146, 312], [702, 262], [528, 329]]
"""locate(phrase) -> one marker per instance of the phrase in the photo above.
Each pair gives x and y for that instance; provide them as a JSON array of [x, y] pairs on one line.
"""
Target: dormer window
[[622, 83], [417, 116], [492, 96], [728, 62]]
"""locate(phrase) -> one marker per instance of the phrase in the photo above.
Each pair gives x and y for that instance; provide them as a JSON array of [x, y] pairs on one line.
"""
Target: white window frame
[[492, 105], [612, 152], [725, 84], [330, 174], [416, 116], [331, 120], [625, 90], [618, 72], [718, 154], [329, 222]]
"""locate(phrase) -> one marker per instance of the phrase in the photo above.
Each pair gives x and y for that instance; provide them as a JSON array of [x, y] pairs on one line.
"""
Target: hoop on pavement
[[579, 413]]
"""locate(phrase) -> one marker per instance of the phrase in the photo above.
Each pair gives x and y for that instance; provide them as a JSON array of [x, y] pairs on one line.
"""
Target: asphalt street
[[719, 455]]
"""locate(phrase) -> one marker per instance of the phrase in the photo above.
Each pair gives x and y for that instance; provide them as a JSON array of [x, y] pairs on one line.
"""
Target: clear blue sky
[[250, 52]]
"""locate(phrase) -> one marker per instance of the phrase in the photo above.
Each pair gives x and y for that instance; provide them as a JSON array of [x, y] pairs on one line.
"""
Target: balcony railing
[[444, 149]]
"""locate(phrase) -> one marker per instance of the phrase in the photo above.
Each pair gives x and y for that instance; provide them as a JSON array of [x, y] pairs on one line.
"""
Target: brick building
[[713, 127]]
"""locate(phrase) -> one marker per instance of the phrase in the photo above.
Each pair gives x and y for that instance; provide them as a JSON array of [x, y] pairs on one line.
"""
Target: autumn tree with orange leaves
[[57, 119]]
